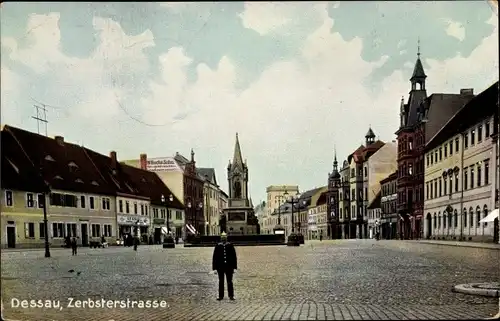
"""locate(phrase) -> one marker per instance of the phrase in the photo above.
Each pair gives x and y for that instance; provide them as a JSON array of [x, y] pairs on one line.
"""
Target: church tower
[[237, 175], [239, 213], [333, 194]]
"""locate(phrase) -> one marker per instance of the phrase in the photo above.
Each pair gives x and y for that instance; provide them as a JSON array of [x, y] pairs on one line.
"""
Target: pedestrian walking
[[74, 246], [224, 262]]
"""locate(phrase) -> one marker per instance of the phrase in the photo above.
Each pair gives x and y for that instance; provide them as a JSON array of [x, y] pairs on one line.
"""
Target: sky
[[295, 80]]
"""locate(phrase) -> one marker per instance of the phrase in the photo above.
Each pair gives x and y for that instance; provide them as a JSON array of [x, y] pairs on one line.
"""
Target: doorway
[[429, 225], [496, 227], [85, 234], [157, 239], [11, 237]]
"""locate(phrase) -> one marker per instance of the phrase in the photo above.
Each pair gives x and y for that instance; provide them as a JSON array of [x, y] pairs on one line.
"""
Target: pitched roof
[[65, 166], [375, 202], [370, 133], [438, 109], [207, 174], [389, 178], [69, 167], [237, 158], [17, 171], [418, 70], [478, 108]]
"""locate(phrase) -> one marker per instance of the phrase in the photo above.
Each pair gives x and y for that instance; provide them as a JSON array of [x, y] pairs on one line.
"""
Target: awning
[[490, 217]]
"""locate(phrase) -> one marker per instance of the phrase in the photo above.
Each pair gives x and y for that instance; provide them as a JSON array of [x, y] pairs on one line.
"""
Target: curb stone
[[482, 289]]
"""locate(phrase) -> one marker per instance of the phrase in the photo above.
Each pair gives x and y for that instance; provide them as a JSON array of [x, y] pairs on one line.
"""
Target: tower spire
[[237, 158], [335, 163], [418, 47]]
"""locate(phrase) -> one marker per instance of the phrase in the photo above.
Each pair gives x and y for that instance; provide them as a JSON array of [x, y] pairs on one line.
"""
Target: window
[[120, 206], [472, 137], [353, 194], [366, 171], [471, 217], [91, 202], [465, 217], [444, 220], [427, 190], [41, 230], [29, 230], [135, 207], [485, 213], [82, 201], [486, 172], [457, 145], [440, 153], [142, 209], [63, 200], [479, 133], [435, 188], [435, 156], [432, 194], [478, 216], [466, 173], [479, 174], [178, 215], [435, 220], [107, 232], [472, 177], [428, 160], [127, 207], [445, 150], [440, 188], [439, 220], [40, 200], [487, 130], [410, 169], [71, 229], [155, 212], [466, 140], [96, 230], [451, 148], [455, 218], [169, 213], [451, 185], [163, 213], [58, 230], [30, 202], [106, 203], [9, 199], [145, 210], [445, 190], [456, 182]]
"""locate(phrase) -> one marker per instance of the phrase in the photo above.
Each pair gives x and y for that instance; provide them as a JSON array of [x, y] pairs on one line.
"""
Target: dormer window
[[79, 181], [94, 183], [72, 167], [143, 180], [58, 177], [49, 158]]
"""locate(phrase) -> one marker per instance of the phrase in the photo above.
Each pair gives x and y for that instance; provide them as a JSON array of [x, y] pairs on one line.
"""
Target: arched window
[[439, 220], [455, 218], [485, 213], [465, 217], [444, 219], [435, 220], [478, 216]]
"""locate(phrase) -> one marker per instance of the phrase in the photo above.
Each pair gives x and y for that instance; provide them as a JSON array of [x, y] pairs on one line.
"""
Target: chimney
[[144, 161], [59, 140], [112, 155], [467, 91]]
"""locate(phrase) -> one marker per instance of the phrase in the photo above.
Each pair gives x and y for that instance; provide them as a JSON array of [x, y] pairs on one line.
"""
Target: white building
[[459, 174]]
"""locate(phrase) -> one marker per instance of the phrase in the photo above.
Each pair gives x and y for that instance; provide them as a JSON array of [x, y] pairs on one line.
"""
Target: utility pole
[[39, 115]]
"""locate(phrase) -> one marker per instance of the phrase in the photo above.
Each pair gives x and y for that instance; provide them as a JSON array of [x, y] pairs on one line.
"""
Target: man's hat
[[223, 234]]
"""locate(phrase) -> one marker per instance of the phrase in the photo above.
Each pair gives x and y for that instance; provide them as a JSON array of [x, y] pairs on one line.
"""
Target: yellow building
[[276, 196], [460, 173]]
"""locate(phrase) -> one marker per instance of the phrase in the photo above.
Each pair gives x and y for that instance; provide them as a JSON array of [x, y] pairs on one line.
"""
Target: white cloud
[[289, 119], [272, 17], [455, 29]]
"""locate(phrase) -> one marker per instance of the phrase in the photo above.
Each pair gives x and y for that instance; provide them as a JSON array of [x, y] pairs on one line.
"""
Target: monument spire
[[237, 158]]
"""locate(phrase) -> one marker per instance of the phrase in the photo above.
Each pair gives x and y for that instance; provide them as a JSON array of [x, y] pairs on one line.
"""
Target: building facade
[[212, 195], [345, 202], [374, 216], [459, 177], [85, 194], [317, 218], [420, 119], [388, 204], [334, 230], [276, 196]]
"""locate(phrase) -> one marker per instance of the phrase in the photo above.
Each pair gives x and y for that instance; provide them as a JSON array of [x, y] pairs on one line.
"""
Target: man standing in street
[[224, 262]]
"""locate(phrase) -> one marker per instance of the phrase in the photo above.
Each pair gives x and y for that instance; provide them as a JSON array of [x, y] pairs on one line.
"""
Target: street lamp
[[293, 239], [278, 229], [136, 234], [45, 220], [168, 240]]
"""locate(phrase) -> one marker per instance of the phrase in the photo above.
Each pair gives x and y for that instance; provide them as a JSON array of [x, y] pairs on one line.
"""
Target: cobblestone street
[[343, 280]]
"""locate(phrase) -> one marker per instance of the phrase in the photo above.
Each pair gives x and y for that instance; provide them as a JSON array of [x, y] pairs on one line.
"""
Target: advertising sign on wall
[[165, 164]]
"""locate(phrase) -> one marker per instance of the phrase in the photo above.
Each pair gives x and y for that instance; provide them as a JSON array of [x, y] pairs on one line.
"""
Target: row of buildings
[[89, 195], [437, 180]]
